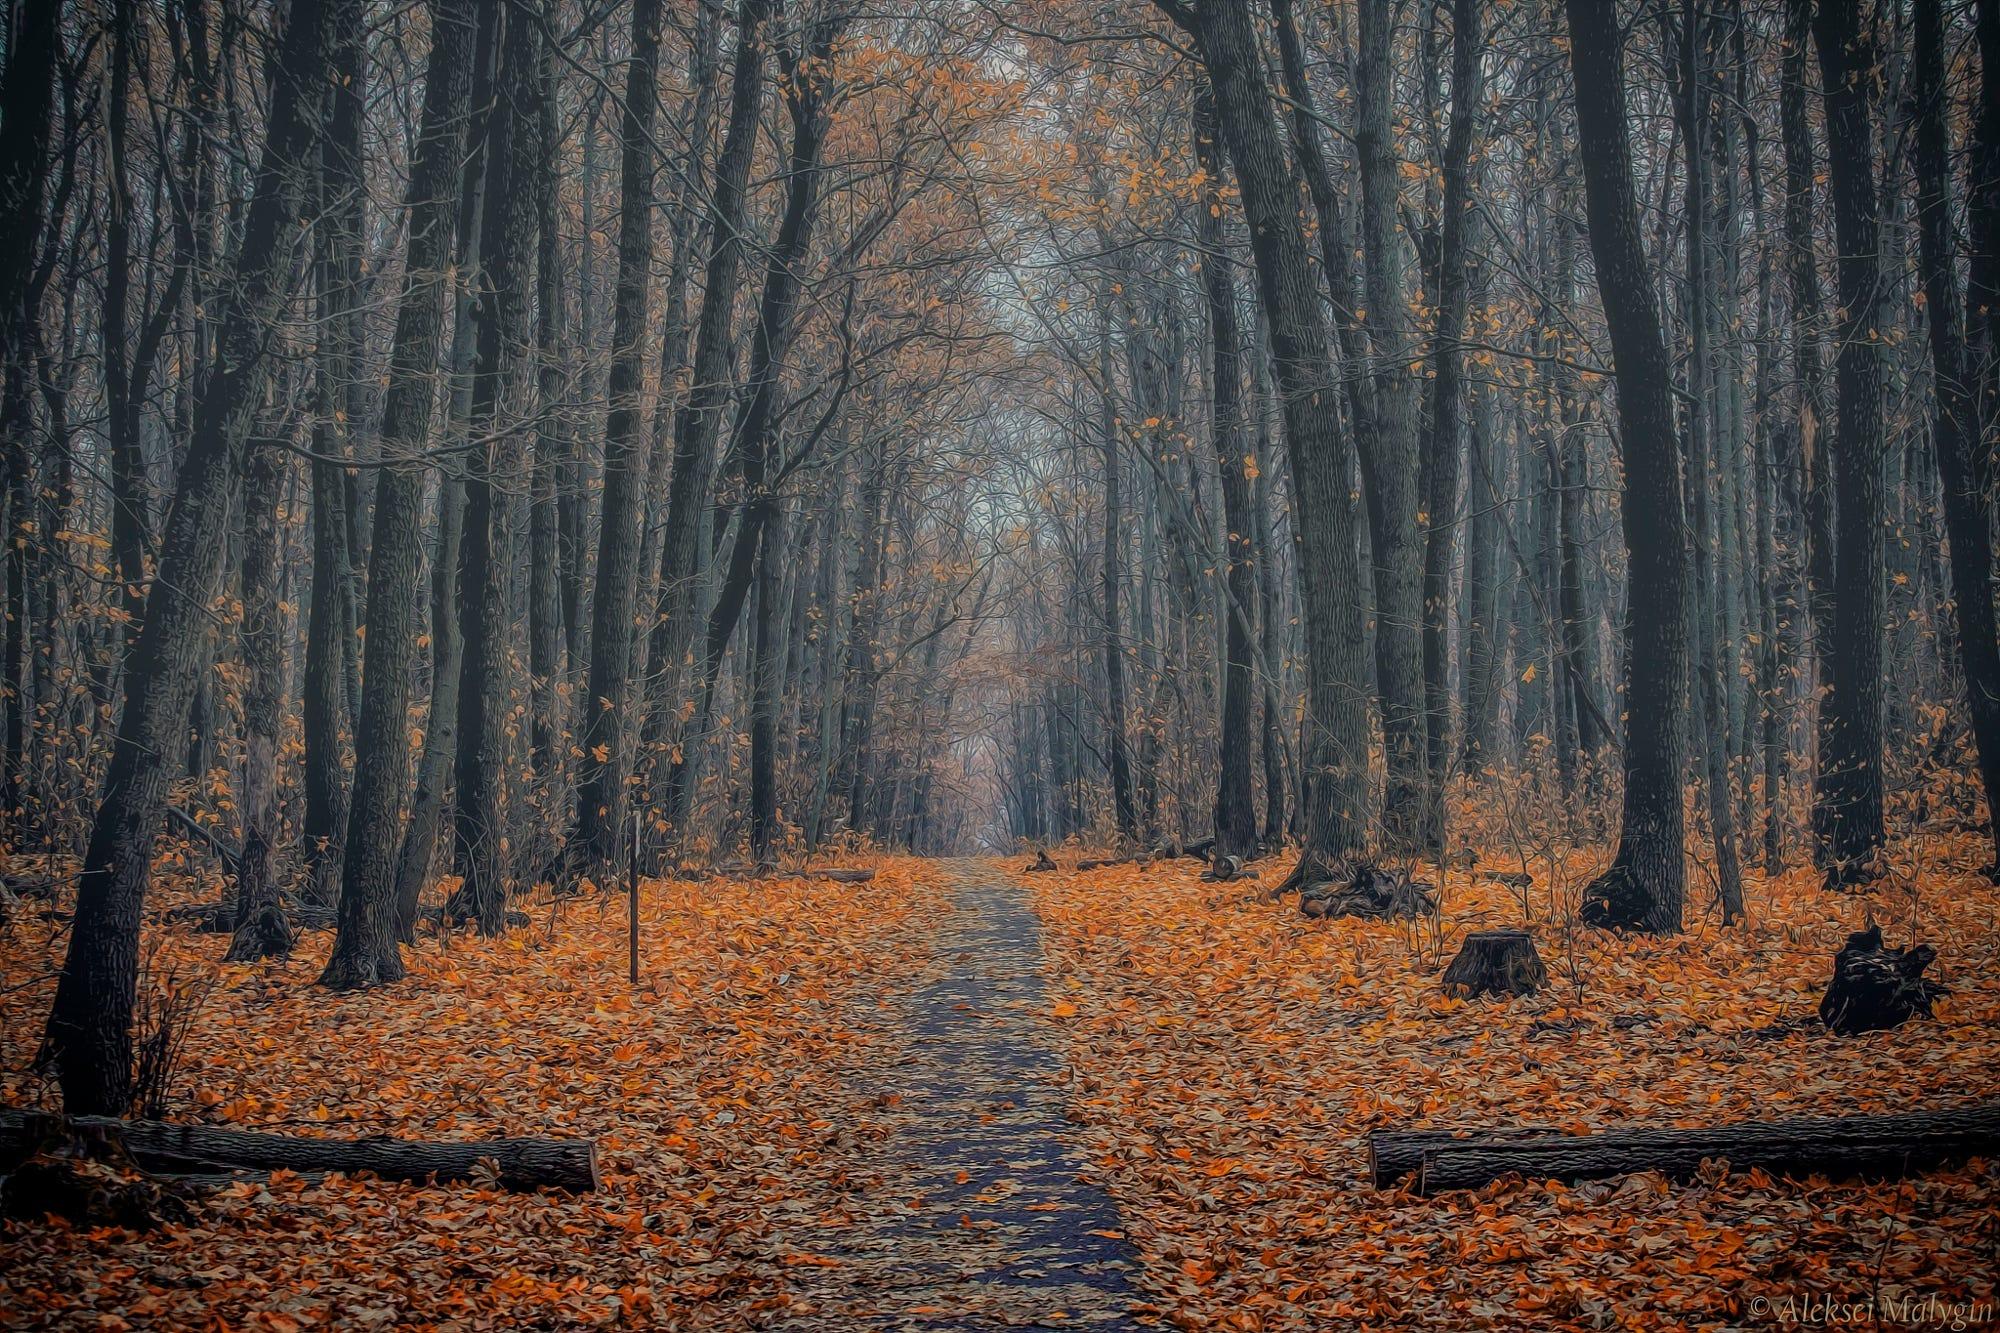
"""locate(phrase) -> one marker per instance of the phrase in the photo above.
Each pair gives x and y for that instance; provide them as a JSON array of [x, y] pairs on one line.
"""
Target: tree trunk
[[1111, 579], [1334, 767], [337, 238], [1441, 459], [1235, 818], [1390, 469], [130, 513], [749, 463], [261, 930], [26, 121], [1956, 426], [1704, 386], [418, 855], [1847, 816], [699, 420], [90, 1026], [551, 559], [1484, 641], [447, 655], [493, 476], [1646, 885], [601, 777], [765, 660], [364, 947], [1808, 322]]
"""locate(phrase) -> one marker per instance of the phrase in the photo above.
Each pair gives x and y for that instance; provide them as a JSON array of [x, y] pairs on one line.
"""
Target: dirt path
[[993, 1226]]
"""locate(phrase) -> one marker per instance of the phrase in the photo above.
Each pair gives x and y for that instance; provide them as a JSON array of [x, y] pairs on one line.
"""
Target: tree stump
[[1041, 864], [1496, 962], [1875, 987], [1373, 893]]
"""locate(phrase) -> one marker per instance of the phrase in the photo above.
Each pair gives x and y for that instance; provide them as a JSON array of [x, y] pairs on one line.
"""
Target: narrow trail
[[995, 1226]]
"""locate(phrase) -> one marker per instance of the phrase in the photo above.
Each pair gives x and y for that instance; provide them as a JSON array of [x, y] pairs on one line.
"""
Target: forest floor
[[960, 1097]]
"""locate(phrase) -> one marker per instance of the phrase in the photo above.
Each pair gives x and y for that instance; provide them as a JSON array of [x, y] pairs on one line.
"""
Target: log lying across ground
[[1878, 1146], [517, 1164]]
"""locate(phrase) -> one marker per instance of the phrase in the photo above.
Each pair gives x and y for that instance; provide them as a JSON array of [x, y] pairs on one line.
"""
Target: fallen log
[[515, 1163], [845, 874], [1394, 1154], [1885, 1147]]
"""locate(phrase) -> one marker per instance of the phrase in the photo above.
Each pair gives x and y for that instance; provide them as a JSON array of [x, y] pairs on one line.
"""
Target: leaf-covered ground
[[723, 1095], [1225, 1060], [1231, 1055]]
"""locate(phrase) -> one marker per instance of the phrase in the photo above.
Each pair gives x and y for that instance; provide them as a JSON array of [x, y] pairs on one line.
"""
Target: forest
[[958, 664]]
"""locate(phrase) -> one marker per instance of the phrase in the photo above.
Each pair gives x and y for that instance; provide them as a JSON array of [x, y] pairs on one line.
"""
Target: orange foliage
[[719, 1094], [1230, 1056], [1227, 1057]]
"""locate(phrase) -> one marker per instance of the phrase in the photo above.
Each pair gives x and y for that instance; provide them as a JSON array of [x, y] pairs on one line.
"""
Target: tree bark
[[1808, 322], [1646, 885], [261, 930], [1441, 459], [337, 238], [1847, 815], [699, 420], [515, 1163], [28, 100], [552, 559], [1872, 1146], [89, 1034], [130, 510], [494, 474], [364, 947], [606, 733], [1111, 580], [1956, 424], [1334, 767], [447, 648], [748, 465], [1390, 470], [1235, 818], [1706, 621]]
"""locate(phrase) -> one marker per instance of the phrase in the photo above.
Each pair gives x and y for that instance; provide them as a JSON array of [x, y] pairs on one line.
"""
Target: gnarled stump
[[1875, 987], [1374, 893], [1496, 962], [1040, 865]]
